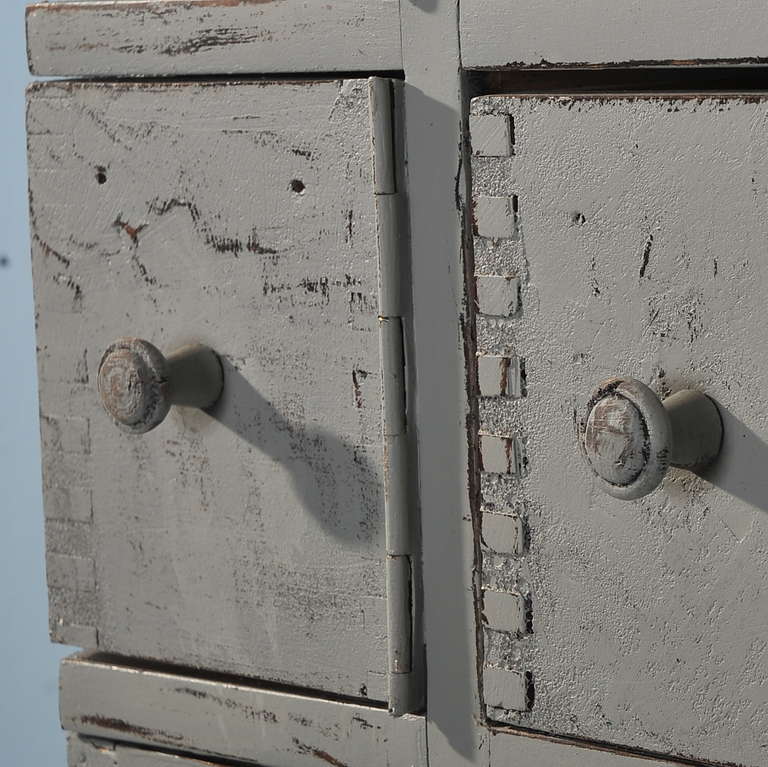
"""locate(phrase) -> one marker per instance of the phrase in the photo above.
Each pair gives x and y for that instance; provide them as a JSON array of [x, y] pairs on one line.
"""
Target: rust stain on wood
[[303, 748], [132, 231]]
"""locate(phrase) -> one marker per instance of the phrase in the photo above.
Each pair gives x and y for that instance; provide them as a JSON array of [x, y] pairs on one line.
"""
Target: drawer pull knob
[[138, 385], [630, 437]]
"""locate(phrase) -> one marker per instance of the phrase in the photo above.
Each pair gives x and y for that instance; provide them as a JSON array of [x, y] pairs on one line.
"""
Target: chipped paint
[[603, 34], [156, 6], [126, 728], [617, 590], [286, 472], [155, 705], [134, 38]]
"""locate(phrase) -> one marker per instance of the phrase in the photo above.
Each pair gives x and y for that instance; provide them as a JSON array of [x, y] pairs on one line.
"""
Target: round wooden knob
[[630, 437], [138, 385]]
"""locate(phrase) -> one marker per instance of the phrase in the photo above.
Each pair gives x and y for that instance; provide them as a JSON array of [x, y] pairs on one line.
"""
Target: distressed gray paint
[[641, 253], [504, 532], [494, 216], [249, 538], [436, 183], [507, 750], [504, 611], [491, 135], [434, 96], [498, 33], [232, 720], [83, 752], [501, 376], [153, 37]]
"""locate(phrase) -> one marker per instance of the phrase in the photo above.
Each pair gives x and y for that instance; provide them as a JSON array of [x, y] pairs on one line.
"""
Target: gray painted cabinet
[[386, 542]]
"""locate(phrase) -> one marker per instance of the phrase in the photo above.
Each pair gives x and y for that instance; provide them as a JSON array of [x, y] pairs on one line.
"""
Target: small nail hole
[[297, 186], [101, 175]]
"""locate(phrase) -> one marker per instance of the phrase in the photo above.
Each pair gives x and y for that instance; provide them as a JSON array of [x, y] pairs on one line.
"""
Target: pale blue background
[[30, 735]]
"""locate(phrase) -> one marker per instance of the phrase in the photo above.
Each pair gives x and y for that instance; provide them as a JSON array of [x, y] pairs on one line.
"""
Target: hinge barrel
[[404, 682]]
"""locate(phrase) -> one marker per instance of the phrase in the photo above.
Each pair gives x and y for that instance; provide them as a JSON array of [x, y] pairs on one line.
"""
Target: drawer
[[622, 235], [229, 720], [82, 752], [267, 535], [543, 33], [102, 38]]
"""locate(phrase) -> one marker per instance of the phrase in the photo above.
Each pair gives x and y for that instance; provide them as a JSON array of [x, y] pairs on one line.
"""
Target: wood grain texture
[[232, 721], [500, 33], [248, 538], [641, 252], [84, 752], [185, 37]]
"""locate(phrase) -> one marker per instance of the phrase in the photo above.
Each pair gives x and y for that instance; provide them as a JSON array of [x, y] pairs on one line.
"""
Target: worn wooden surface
[[639, 245], [232, 720], [249, 538], [505, 751], [508, 750], [83, 752], [185, 37], [436, 183], [534, 33]]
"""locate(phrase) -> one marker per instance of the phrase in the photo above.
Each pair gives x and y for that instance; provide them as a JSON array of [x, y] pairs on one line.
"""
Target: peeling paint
[[190, 250], [151, 38], [648, 285]]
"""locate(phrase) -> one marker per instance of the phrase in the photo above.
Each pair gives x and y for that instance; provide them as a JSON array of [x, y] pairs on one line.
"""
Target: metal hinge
[[404, 681]]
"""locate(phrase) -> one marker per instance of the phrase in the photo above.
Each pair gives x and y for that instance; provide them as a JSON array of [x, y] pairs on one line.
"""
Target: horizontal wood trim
[[210, 37], [541, 33], [102, 698]]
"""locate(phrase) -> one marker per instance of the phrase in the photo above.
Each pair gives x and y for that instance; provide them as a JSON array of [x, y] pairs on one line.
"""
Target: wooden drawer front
[[82, 752], [535, 33], [230, 720], [101, 38], [249, 538], [634, 228]]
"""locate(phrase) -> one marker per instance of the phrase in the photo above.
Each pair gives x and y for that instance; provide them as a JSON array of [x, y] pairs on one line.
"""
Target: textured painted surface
[[514, 750], [172, 37], [86, 753], [232, 720], [640, 252], [248, 538], [436, 189], [497, 33]]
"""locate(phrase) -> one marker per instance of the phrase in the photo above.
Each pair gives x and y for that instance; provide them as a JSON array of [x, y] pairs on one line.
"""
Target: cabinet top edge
[[170, 38]]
